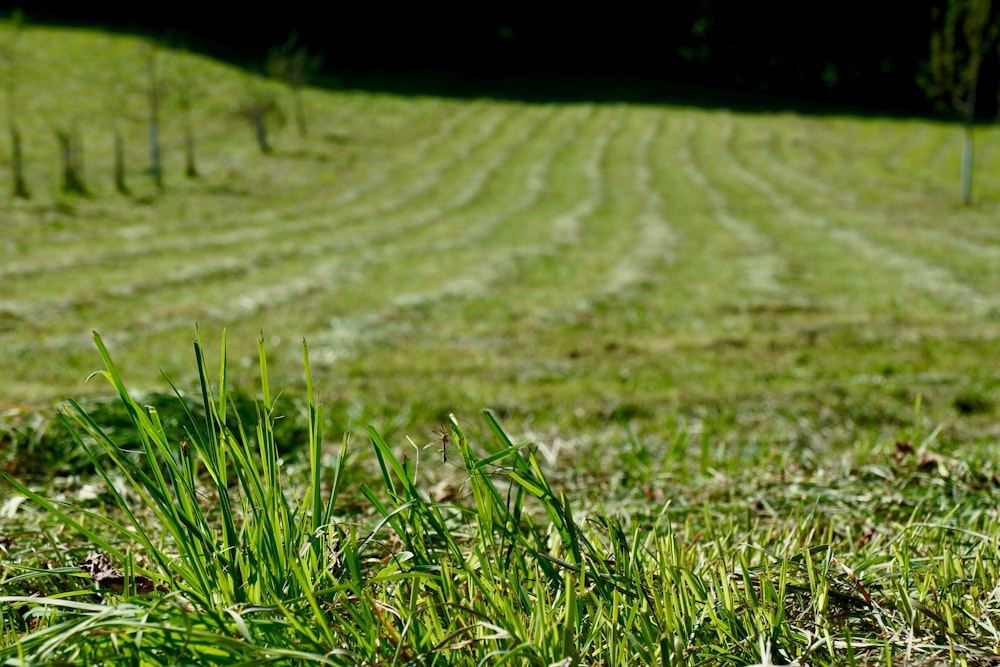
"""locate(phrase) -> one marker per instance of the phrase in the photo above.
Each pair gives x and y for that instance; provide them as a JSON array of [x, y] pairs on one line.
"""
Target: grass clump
[[225, 553]]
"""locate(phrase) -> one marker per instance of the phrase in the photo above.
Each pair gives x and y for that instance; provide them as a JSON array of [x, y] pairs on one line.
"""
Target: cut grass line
[[503, 254], [493, 239], [200, 235], [505, 235], [909, 171], [516, 244], [327, 274], [430, 174], [477, 258], [269, 255], [785, 153], [297, 288], [913, 273], [592, 222], [620, 238], [498, 267], [781, 163], [569, 229], [424, 156], [950, 247], [761, 267], [540, 153], [565, 228], [656, 240], [220, 230], [839, 146]]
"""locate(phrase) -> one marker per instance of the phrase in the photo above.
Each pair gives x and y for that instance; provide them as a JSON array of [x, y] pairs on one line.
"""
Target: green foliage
[[959, 45], [292, 64]]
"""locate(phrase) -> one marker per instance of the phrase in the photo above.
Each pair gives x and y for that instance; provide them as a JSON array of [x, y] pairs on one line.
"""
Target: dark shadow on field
[[575, 88], [36, 444], [515, 78]]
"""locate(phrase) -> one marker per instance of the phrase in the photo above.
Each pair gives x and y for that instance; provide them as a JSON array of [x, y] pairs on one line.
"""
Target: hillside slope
[[763, 275]]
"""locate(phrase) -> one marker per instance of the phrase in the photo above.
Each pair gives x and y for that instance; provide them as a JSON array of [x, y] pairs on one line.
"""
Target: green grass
[[888, 556], [744, 366]]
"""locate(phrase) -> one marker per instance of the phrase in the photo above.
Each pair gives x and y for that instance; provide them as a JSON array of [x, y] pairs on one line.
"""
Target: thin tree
[[260, 108], [9, 57], [118, 146], [117, 109], [188, 92], [185, 102], [292, 65], [153, 95], [959, 45], [71, 157]]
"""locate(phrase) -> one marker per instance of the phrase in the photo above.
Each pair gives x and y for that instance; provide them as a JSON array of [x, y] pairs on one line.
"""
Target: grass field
[[558, 263], [713, 327]]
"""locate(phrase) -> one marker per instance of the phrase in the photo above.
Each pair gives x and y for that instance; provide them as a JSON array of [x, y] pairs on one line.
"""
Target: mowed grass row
[[568, 264]]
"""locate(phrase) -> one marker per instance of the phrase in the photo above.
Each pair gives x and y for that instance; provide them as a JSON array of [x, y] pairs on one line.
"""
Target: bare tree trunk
[[260, 125], [967, 165], [119, 146], [300, 112], [69, 151], [9, 55], [188, 89], [155, 164], [970, 121], [293, 65], [958, 46], [20, 190], [76, 153], [190, 168]]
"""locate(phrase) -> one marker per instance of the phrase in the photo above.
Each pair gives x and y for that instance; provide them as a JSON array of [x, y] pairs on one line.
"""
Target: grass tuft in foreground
[[225, 554]]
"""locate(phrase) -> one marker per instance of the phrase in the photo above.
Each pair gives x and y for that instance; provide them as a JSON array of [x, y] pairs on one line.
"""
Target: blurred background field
[[592, 269]]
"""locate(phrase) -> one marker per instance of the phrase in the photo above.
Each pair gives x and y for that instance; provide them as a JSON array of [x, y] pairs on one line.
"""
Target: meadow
[[739, 371]]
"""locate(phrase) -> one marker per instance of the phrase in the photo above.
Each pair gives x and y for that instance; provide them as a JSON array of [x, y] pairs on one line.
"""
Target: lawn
[[739, 371]]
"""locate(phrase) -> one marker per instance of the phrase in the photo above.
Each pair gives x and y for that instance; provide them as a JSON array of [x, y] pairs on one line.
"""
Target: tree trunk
[[17, 165], [76, 155], [969, 112], [967, 165], [72, 183], [190, 168], [155, 165], [66, 159], [9, 54], [300, 112], [119, 147], [260, 125]]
